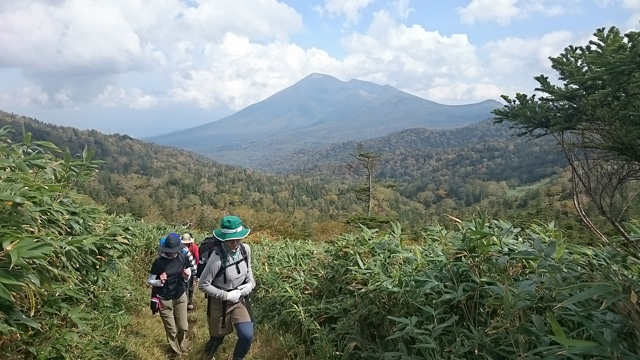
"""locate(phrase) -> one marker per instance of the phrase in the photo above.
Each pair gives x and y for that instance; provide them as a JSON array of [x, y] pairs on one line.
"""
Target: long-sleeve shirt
[[236, 274], [193, 262], [154, 279], [175, 268], [194, 251]]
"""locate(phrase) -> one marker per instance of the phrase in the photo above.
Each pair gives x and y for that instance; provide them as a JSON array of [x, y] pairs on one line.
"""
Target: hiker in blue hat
[[169, 275], [227, 279]]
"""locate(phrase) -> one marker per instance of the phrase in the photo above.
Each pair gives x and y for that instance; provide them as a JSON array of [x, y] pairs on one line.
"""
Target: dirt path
[[147, 339]]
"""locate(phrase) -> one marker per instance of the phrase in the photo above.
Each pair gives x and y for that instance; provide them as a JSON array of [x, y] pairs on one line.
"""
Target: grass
[[147, 338], [521, 190]]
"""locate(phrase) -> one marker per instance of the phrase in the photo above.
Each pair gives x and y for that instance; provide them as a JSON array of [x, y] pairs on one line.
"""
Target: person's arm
[[190, 265], [196, 253], [250, 279], [154, 275], [208, 275], [152, 280], [250, 282]]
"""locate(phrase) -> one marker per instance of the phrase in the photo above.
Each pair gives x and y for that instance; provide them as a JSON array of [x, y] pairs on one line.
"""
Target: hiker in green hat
[[227, 279]]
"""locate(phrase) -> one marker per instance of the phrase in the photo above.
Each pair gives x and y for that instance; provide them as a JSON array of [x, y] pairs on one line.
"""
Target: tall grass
[[60, 255], [70, 274], [484, 291]]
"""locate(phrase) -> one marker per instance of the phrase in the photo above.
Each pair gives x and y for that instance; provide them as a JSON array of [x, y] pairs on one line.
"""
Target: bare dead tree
[[609, 182]]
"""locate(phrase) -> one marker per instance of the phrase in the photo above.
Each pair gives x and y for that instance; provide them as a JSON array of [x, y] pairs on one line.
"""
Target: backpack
[[208, 247]]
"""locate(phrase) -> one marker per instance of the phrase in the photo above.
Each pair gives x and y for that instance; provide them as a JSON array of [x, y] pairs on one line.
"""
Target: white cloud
[[349, 9], [632, 6], [514, 61], [504, 11], [401, 8], [109, 97], [512, 53], [224, 53], [458, 91], [255, 19], [76, 37], [411, 58], [634, 18], [115, 97], [23, 96], [238, 73], [76, 50], [443, 68], [501, 11]]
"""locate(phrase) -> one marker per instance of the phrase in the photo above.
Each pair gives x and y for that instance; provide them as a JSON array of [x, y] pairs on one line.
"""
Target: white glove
[[234, 296], [245, 288]]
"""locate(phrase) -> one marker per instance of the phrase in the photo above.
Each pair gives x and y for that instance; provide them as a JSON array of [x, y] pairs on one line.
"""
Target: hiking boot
[[184, 347], [210, 348]]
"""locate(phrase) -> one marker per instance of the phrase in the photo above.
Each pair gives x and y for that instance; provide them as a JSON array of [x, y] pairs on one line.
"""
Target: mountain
[[318, 110]]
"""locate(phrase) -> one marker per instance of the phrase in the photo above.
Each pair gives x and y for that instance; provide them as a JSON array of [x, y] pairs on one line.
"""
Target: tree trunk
[[578, 205], [370, 179]]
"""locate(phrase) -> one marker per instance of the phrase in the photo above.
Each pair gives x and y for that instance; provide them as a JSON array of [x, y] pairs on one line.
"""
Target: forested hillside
[[423, 160], [494, 149], [481, 167], [436, 173], [159, 183]]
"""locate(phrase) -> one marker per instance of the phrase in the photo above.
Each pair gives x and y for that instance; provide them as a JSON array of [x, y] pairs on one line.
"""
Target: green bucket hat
[[231, 229]]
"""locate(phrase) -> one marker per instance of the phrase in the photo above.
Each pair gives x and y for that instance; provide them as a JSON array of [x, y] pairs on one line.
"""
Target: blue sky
[[147, 67]]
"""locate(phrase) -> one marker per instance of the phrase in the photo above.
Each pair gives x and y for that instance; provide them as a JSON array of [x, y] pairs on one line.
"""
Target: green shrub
[[486, 290], [64, 289]]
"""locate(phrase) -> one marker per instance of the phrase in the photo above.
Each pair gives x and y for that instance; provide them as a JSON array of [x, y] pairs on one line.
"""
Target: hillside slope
[[162, 183], [435, 173]]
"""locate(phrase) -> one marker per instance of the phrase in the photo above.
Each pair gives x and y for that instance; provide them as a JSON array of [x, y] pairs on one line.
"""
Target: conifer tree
[[594, 116]]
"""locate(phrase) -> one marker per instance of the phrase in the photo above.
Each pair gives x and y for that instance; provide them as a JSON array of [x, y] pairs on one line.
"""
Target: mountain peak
[[322, 109], [316, 76], [317, 79]]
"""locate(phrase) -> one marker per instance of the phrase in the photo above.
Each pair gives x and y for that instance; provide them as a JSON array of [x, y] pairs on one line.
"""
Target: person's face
[[232, 244], [171, 255]]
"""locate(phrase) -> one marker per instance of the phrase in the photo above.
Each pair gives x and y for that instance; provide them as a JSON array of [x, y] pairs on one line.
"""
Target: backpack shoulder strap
[[187, 260], [243, 251]]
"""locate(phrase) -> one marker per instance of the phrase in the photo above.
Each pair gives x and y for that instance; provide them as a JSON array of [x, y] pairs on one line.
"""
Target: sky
[[148, 67]]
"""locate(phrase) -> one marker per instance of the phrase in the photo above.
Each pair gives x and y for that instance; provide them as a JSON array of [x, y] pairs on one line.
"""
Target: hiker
[[187, 240], [187, 251], [227, 279], [169, 275]]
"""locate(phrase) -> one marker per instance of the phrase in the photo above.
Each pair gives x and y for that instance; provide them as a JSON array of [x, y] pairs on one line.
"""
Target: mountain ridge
[[323, 109]]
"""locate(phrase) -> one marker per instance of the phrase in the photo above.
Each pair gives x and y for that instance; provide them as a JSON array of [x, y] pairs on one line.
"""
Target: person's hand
[[186, 273], [245, 289], [234, 296], [163, 277]]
